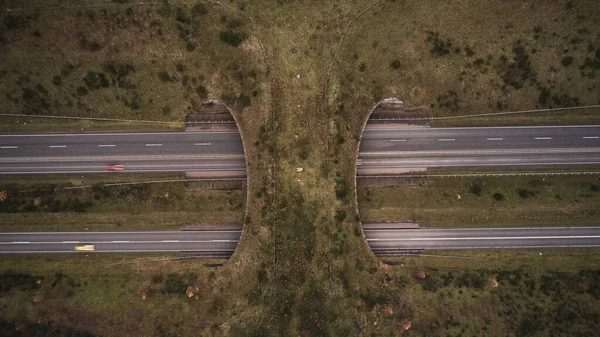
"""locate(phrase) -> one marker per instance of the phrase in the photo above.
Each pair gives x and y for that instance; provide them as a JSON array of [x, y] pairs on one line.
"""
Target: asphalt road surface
[[392, 240], [384, 149], [381, 241], [220, 153], [210, 242], [216, 153]]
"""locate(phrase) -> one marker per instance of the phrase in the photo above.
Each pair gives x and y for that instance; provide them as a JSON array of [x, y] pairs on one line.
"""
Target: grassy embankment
[[301, 268], [38, 203], [487, 201]]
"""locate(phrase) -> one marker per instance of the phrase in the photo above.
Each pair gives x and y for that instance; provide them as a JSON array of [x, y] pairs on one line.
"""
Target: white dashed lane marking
[[153, 144], [543, 138], [591, 137], [106, 145], [492, 139], [202, 144], [446, 140], [57, 146], [9, 147]]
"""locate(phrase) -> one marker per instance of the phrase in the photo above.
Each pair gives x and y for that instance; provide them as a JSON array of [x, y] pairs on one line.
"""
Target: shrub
[[201, 91], [395, 64], [57, 80], [10, 280], [164, 76], [232, 38], [525, 193], [174, 284], [566, 61], [594, 187], [432, 282], [199, 9], [82, 91], [95, 80], [476, 188], [498, 196], [181, 16]]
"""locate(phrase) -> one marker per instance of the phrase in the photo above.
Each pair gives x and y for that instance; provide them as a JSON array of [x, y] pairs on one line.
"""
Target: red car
[[114, 167]]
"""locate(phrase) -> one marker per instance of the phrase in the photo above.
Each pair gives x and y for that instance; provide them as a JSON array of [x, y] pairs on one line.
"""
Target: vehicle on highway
[[114, 167], [84, 247]]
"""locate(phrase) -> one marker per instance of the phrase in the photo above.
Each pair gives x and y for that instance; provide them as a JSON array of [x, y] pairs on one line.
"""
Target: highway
[[216, 153], [389, 150], [383, 149], [384, 241], [223, 243]]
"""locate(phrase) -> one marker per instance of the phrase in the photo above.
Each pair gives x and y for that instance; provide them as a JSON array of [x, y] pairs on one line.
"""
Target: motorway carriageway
[[383, 149], [223, 243]]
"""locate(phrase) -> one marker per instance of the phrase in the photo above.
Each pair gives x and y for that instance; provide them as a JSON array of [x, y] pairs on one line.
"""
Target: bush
[[566, 61], [57, 80], [232, 38], [498, 196], [199, 9], [82, 91], [174, 284], [164, 76], [201, 91], [9, 281], [476, 188], [95, 80], [395, 64], [594, 187], [525, 193]]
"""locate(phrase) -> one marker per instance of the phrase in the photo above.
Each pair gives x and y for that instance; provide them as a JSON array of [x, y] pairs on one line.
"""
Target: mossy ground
[[302, 267]]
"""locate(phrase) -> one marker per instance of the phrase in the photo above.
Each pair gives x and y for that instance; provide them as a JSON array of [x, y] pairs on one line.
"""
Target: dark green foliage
[[498, 196], [471, 279], [35, 100], [362, 67], [469, 51], [525, 193], [594, 187], [432, 282], [180, 67], [395, 64], [449, 101], [57, 80], [243, 101], [377, 93], [342, 188], [201, 92], [10, 280], [199, 9], [566, 61], [517, 72], [476, 188], [81, 91], [164, 76], [174, 284], [16, 22], [440, 47], [94, 80], [232, 38], [182, 17]]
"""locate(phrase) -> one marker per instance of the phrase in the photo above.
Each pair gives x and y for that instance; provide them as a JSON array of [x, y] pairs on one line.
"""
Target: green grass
[[487, 201], [32, 203], [517, 292]]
